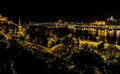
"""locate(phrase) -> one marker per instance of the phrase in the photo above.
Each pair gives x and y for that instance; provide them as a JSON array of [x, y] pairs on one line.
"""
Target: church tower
[[20, 28]]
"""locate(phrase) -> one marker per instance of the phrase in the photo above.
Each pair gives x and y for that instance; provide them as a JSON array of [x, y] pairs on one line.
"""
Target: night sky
[[52, 10]]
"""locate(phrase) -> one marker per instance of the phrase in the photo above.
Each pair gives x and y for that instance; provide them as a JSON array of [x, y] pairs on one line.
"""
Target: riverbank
[[96, 43]]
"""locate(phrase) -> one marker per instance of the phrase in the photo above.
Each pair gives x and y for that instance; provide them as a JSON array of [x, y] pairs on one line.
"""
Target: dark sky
[[50, 10]]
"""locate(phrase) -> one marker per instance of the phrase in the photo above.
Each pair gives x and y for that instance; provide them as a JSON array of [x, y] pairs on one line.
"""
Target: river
[[95, 34]]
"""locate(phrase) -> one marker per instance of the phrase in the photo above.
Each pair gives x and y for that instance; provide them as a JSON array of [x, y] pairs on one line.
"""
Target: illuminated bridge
[[73, 26], [49, 24]]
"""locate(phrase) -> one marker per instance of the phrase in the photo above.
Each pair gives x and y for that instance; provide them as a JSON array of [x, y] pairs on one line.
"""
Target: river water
[[94, 34]]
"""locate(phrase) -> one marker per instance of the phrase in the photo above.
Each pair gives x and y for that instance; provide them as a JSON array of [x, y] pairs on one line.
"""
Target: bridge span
[[77, 26]]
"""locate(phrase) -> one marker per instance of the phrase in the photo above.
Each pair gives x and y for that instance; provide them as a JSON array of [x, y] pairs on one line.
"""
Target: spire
[[19, 23], [0, 15], [108, 19], [30, 23]]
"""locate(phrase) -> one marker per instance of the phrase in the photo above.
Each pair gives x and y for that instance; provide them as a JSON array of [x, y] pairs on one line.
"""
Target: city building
[[96, 22], [3, 19], [20, 29]]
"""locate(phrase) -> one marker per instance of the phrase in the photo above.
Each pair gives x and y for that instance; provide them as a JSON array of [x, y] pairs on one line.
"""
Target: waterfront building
[[99, 22]]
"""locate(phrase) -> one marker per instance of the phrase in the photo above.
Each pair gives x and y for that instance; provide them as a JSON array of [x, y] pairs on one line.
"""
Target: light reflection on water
[[106, 35], [118, 36]]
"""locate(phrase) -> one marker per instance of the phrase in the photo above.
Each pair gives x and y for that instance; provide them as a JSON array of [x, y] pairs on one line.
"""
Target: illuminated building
[[99, 22], [20, 29], [3, 19], [60, 21]]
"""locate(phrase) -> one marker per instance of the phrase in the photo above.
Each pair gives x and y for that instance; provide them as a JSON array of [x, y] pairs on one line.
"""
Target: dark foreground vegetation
[[18, 59]]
